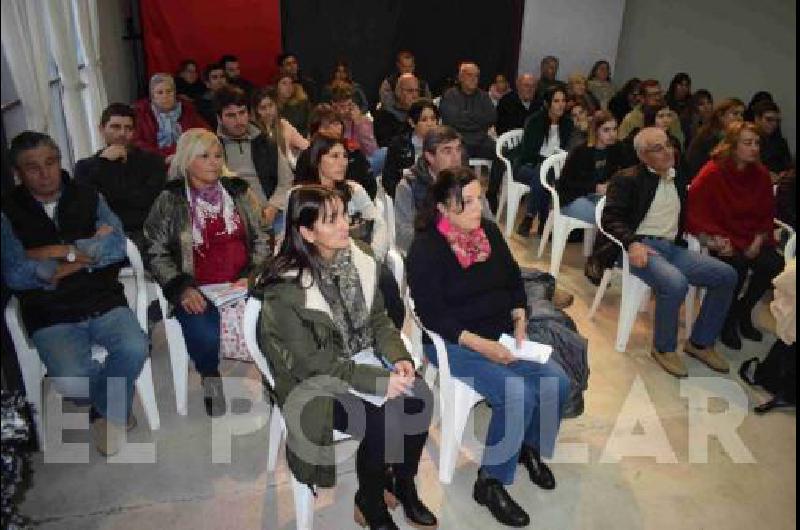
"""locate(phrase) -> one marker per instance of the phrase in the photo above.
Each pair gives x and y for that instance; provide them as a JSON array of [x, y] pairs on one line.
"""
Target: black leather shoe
[[375, 517], [524, 228], [417, 514], [749, 331], [213, 396], [538, 471], [730, 337], [491, 493]]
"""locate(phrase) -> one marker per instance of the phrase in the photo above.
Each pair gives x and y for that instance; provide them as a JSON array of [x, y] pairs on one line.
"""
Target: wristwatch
[[71, 255]]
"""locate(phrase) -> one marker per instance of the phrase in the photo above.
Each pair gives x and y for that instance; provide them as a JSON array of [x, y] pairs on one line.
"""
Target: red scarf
[[737, 204], [469, 247]]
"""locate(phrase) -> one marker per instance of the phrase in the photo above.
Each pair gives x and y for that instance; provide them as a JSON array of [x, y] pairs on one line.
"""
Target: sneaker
[[671, 362], [562, 299], [107, 436], [213, 396], [708, 356]]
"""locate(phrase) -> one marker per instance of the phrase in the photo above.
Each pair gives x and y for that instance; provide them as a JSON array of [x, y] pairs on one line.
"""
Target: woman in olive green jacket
[[326, 335]]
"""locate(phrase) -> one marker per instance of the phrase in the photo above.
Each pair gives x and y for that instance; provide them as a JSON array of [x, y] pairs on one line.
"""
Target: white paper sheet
[[530, 351]]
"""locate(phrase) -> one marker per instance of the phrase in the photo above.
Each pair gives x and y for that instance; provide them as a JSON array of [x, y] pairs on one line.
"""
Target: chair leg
[[511, 212], [501, 201], [633, 291], [601, 290], [589, 235], [179, 358], [455, 412], [303, 505], [548, 228], [560, 235], [275, 438], [147, 395]]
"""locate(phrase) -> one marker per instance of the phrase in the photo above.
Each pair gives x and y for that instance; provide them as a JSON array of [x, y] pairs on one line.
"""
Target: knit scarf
[[469, 247], [209, 203], [169, 129]]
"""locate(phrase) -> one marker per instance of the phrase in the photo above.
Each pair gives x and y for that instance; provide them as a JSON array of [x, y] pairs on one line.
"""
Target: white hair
[[639, 141], [160, 78], [193, 143]]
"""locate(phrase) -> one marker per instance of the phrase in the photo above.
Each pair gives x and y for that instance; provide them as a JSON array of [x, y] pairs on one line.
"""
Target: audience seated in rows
[[253, 156], [406, 148], [358, 129], [62, 248], [546, 132], [323, 284], [515, 107], [392, 119], [293, 102], [204, 228], [233, 71], [652, 95], [341, 76], [188, 82], [730, 208], [726, 112], [646, 212], [129, 178], [288, 64], [325, 121], [468, 288], [626, 99], [264, 113], [661, 117], [589, 167], [600, 85], [404, 64], [215, 79], [162, 118]]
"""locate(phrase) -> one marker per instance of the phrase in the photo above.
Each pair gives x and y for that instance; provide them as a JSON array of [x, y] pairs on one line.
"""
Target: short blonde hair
[[160, 78], [576, 77], [192, 144]]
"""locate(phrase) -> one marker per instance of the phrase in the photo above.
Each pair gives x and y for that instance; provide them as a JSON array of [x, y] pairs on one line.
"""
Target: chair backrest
[[556, 163], [598, 217], [507, 142], [438, 342], [252, 310], [791, 243], [139, 305], [388, 214], [395, 262]]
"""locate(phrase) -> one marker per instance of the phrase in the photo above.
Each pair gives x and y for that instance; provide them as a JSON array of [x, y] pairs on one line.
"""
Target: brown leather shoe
[[708, 356], [671, 362], [107, 436], [562, 299]]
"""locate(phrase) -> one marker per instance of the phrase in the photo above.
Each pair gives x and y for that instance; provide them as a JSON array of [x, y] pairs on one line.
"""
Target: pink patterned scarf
[[469, 247]]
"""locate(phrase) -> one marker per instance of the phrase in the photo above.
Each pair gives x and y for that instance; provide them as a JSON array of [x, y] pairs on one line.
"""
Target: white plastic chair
[[791, 244], [560, 225], [635, 293], [478, 165], [456, 397], [389, 216], [33, 370], [511, 191], [303, 495]]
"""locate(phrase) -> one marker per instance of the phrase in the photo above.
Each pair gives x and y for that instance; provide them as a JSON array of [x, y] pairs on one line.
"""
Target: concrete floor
[[184, 489]]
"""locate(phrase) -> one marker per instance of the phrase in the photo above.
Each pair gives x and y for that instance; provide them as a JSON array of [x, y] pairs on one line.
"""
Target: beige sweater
[[784, 306]]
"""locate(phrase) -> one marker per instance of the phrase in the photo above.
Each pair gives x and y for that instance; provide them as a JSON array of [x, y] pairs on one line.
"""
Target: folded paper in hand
[[368, 357], [530, 351], [223, 293]]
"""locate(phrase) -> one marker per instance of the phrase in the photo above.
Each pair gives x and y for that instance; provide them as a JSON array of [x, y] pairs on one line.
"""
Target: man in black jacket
[[252, 155], [515, 107], [644, 211], [130, 179], [61, 252]]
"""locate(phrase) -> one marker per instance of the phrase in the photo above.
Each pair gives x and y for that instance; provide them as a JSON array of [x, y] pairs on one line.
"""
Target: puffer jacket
[[168, 233], [305, 351]]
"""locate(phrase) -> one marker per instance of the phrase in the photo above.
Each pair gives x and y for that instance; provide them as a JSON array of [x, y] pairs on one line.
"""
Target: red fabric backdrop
[[204, 30]]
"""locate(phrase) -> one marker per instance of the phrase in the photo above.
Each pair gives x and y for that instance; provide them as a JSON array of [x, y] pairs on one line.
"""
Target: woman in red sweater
[[161, 119], [731, 207]]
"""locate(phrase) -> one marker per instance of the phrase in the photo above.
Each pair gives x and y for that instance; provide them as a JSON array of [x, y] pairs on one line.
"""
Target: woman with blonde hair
[[731, 207], [293, 103], [204, 228], [578, 91]]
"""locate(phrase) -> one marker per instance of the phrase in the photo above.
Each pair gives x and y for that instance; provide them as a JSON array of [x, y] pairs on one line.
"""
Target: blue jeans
[[669, 274], [201, 333], [582, 208], [521, 414], [538, 203], [377, 160], [66, 351]]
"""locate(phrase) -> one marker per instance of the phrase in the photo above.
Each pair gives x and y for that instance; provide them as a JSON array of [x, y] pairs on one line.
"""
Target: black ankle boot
[[749, 331], [524, 228], [491, 493], [370, 511], [213, 396], [417, 514], [538, 471], [730, 336]]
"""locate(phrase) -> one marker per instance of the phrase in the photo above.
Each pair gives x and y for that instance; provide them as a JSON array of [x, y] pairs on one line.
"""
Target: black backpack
[[777, 373]]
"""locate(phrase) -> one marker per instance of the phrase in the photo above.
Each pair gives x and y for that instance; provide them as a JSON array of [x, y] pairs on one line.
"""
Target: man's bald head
[[654, 149], [526, 87], [406, 90], [468, 76]]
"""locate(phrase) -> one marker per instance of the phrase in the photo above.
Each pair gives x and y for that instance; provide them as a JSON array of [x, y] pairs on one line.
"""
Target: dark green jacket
[[305, 352]]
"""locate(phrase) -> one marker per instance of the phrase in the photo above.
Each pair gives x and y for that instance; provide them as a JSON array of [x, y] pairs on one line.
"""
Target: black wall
[[368, 33]]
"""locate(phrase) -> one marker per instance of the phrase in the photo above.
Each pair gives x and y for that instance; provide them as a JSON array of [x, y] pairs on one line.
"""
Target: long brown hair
[[726, 148], [600, 117], [272, 130], [714, 125]]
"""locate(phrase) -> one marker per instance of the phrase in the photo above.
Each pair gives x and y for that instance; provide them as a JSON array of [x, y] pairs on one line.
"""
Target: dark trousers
[[201, 333], [385, 439], [391, 296], [766, 266]]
